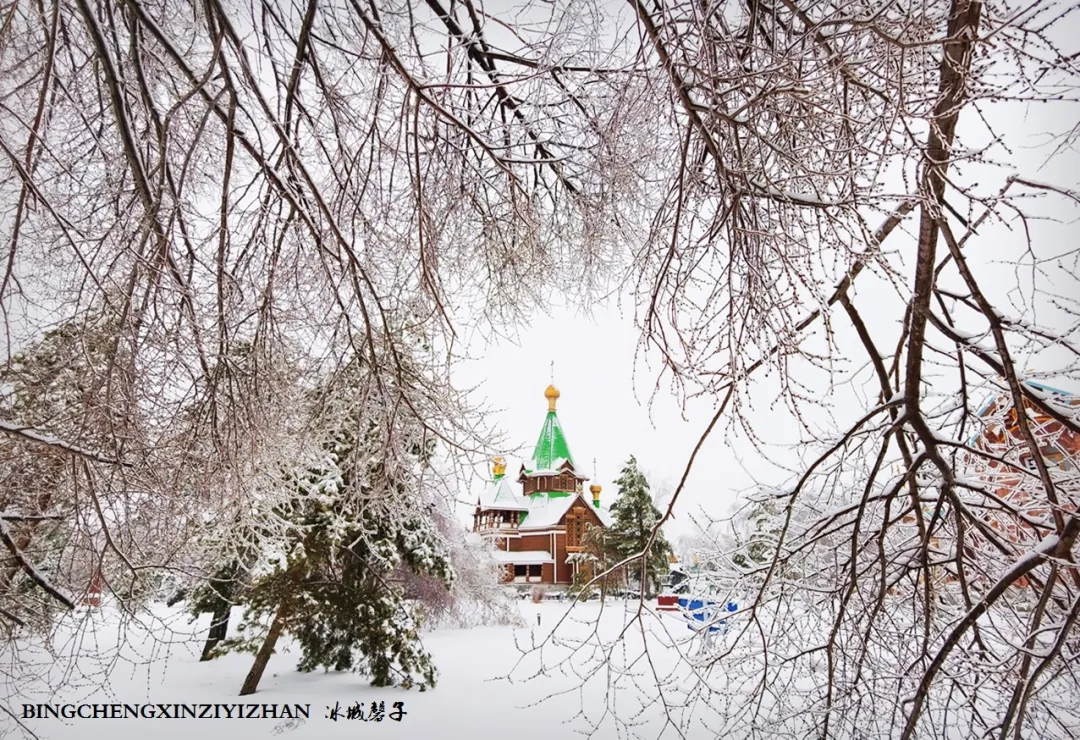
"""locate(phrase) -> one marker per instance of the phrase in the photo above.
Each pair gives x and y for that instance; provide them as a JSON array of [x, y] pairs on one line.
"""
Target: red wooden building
[[539, 520]]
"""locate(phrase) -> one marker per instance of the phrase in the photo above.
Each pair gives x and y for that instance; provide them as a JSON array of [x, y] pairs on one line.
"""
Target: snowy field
[[472, 700]]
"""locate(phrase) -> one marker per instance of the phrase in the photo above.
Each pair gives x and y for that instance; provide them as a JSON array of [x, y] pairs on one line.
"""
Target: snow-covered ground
[[472, 700]]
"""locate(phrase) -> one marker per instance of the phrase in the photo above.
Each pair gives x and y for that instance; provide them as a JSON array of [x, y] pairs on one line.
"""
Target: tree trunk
[[251, 683], [219, 627]]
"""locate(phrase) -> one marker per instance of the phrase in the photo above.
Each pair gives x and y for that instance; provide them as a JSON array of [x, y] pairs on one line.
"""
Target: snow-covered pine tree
[[351, 522], [757, 530], [361, 619], [635, 517]]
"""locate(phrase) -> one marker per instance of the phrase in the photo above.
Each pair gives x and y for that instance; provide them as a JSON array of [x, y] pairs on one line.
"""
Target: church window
[[575, 529]]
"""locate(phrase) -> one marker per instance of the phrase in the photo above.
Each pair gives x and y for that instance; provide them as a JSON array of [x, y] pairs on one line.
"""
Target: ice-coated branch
[[1053, 546], [38, 437]]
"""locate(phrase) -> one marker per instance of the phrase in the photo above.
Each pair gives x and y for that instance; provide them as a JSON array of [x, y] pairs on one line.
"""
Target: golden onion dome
[[552, 395]]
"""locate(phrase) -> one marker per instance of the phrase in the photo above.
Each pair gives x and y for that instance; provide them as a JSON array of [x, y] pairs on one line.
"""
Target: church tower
[[551, 471]]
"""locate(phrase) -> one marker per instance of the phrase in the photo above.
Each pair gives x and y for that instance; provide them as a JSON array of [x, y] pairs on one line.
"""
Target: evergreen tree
[[352, 521], [350, 547], [635, 517], [361, 619], [757, 535]]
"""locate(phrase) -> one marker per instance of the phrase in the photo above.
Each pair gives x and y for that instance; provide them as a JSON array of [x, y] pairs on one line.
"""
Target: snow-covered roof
[[526, 557], [1069, 399], [500, 494], [546, 511], [1063, 400], [557, 466]]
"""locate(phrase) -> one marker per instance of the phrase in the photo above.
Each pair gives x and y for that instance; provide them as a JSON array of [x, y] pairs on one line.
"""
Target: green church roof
[[551, 449]]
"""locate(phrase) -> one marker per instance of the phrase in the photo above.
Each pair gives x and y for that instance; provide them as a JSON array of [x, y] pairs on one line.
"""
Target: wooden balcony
[[495, 526]]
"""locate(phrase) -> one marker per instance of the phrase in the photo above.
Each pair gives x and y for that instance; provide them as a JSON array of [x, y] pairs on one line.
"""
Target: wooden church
[[539, 521]]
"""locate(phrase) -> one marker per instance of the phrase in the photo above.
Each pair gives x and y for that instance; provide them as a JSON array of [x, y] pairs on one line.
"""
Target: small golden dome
[[498, 467], [595, 490], [552, 395]]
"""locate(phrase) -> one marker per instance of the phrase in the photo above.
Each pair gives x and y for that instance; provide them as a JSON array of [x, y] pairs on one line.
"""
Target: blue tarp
[[701, 610]]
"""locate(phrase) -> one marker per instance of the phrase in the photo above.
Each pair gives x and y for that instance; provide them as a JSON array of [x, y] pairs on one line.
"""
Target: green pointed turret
[[551, 447]]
